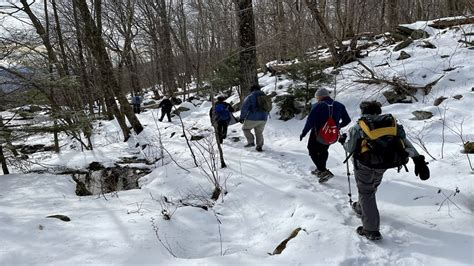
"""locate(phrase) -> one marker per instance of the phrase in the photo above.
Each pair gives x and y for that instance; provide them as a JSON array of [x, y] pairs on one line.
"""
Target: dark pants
[[136, 108], [167, 113], [318, 152], [222, 130], [368, 179]]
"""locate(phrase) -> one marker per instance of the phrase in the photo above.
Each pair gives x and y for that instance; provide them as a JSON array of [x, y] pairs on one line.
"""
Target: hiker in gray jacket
[[377, 143]]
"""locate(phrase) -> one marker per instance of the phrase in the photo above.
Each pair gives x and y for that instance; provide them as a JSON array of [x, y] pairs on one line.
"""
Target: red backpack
[[329, 133]]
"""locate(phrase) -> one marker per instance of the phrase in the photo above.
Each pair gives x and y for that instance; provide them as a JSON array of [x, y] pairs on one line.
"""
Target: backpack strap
[[378, 132]]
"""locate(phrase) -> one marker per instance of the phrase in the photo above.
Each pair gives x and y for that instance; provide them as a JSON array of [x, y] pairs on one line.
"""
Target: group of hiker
[[375, 143]]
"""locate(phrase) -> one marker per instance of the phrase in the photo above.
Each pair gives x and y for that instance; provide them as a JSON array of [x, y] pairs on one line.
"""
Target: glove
[[342, 138], [241, 120], [421, 167], [301, 137]]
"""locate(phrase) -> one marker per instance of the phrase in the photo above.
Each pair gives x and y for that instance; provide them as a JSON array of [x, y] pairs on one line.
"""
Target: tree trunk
[[392, 14], [169, 81], [97, 47], [3, 160], [248, 51], [60, 38]]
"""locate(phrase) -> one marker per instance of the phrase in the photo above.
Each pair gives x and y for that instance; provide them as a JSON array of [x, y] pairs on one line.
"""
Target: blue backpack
[[222, 112]]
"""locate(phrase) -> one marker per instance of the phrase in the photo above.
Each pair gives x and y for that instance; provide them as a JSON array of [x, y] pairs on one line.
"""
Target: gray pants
[[258, 127], [368, 179]]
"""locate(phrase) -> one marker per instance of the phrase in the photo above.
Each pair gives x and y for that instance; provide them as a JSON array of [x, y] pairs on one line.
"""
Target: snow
[[268, 195]]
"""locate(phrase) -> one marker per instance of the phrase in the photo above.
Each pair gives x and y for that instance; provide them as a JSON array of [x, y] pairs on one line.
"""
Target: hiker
[[221, 114], [166, 107], [377, 143], [325, 119], [136, 102], [254, 114]]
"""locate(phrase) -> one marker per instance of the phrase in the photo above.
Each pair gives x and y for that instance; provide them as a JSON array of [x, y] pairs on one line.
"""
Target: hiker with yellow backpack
[[377, 143]]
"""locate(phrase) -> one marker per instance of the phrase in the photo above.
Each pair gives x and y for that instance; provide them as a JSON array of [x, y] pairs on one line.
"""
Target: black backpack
[[380, 147]]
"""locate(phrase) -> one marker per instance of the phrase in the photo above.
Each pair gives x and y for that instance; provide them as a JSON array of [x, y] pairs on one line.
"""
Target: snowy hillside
[[269, 195]]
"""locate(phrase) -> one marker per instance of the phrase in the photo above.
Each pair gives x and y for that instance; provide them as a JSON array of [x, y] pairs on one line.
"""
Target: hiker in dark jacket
[[221, 114], [166, 105], [318, 116], [369, 178], [136, 102], [253, 118]]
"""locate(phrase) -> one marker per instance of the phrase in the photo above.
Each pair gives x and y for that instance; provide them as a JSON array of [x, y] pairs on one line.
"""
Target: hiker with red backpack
[[376, 144], [221, 115], [327, 116]]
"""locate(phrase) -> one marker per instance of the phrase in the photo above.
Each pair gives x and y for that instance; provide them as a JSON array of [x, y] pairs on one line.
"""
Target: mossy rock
[[422, 115], [469, 147]]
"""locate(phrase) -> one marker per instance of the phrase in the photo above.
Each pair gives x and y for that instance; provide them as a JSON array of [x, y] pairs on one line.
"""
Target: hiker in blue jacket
[[318, 116], [136, 102], [253, 118], [221, 114]]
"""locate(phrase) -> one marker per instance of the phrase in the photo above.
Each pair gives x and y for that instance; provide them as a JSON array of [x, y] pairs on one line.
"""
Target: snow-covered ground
[[268, 194]]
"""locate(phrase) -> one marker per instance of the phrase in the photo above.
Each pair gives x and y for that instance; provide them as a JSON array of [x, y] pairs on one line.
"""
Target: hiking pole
[[349, 180]]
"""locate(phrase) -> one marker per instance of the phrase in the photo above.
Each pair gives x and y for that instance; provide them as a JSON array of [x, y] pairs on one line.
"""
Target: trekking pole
[[349, 180]]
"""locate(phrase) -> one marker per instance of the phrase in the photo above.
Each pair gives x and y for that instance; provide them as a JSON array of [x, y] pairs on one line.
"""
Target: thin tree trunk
[[248, 51], [60, 38], [3, 160]]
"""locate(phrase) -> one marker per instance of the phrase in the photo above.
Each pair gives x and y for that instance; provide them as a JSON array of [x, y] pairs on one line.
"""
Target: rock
[[196, 137], [61, 217], [427, 44], [403, 55], [457, 97], [469, 147], [180, 109], [149, 103], [403, 32], [34, 109], [403, 44], [81, 189], [95, 166], [287, 106], [395, 97], [422, 115], [439, 100], [235, 139], [444, 56]]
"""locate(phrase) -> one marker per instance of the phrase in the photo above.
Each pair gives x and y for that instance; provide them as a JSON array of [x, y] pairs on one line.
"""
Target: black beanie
[[370, 108]]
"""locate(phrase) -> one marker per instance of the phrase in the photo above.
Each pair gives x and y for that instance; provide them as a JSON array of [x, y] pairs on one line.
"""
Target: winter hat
[[255, 87], [221, 96], [370, 108], [322, 93]]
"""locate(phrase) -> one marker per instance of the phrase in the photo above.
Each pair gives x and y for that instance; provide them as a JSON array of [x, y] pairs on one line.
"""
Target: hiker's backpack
[[264, 103], [222, 112], [380, 147], [329, 132]]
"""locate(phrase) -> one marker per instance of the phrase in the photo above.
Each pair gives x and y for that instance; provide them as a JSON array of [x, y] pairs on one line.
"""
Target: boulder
[[403, 55], [457, 97], [427, 44], [395, 97], [235, 139], [403, 44], [149, 103], [439, 100], [422, 115], [180, 109], [469, 147], [196, 137]]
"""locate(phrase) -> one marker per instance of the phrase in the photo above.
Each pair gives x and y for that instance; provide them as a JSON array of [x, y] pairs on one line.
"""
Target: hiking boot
[[324, 176], [259, 149], [356, 208], [316, 172], [249, 145], [370, 235]]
